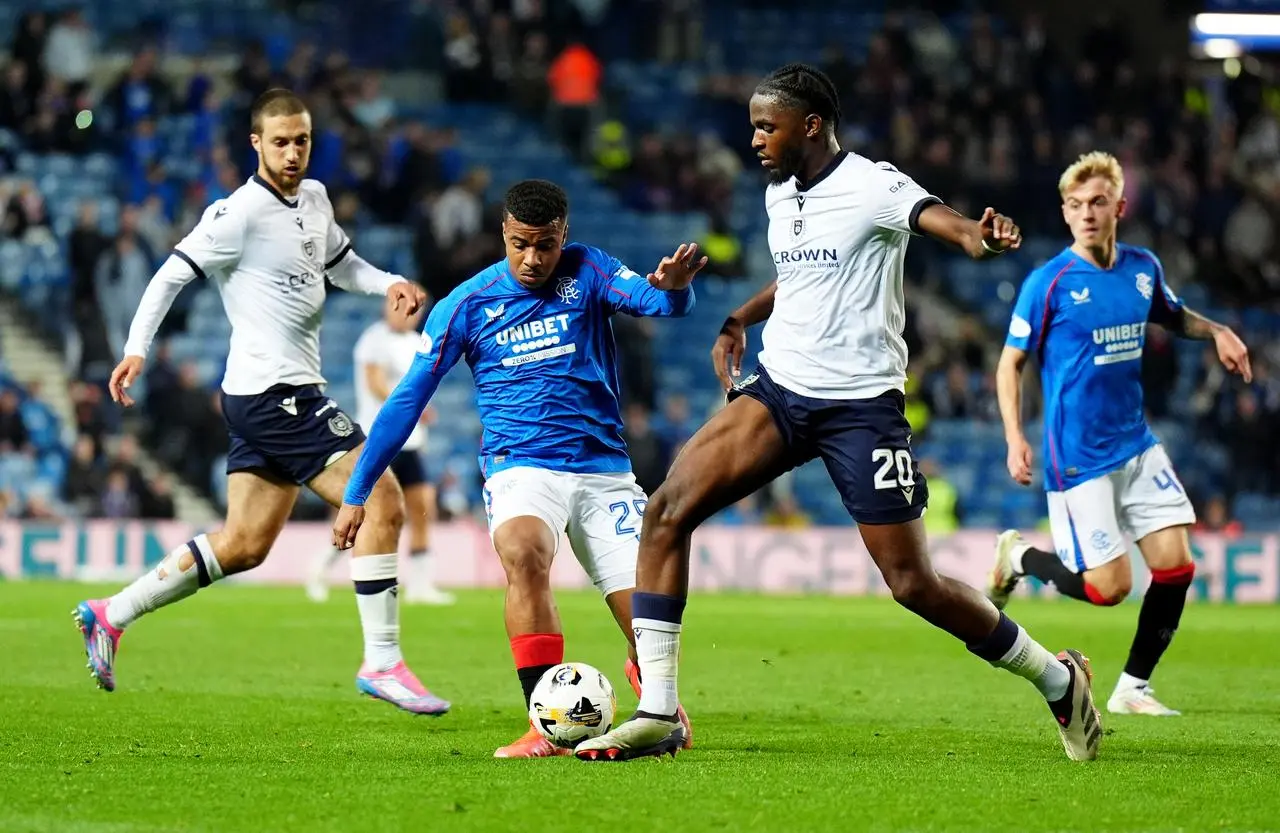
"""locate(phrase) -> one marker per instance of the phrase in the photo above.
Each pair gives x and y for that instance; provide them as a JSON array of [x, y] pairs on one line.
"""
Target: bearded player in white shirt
[[268, 247], [383, 355], [830, 386]]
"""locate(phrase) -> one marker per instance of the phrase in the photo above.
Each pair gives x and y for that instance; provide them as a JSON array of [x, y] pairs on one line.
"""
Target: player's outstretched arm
[[1009, 395], [666, 293], [731, 344], [165, 285], [212, 247], [992, 235], [1232, 352], [353, 273]]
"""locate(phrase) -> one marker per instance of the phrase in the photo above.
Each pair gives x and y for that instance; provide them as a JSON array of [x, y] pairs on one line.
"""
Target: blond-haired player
[[1084, 314]]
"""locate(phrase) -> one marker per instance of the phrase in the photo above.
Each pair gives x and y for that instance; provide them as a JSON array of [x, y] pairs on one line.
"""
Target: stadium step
[[30, 359]]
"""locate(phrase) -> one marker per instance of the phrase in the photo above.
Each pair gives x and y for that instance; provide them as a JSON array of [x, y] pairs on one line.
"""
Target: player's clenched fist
[[346, 525], [406, 297]]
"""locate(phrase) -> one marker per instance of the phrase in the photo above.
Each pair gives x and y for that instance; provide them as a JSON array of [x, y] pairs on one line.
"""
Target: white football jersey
[[838, 243], [268, 256], [393, 352]]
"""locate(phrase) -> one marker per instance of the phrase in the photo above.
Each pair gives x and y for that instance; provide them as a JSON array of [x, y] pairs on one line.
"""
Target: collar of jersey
[[274, 192], [823, 174]]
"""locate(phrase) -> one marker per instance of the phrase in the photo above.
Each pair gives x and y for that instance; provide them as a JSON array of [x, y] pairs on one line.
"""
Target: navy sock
[[998, 642], [658, 607]]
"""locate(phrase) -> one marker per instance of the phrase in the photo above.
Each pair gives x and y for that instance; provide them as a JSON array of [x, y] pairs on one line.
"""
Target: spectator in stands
[[157, 501], [745, 512], [634, 337], [9, 505], [649, 461], [17, 104], [464, 75], [529, 93], [29, 41], [40, 506], [611, 152], [120, 278], [14, 436], [140, 94], [575, 79], [459, 212], [786, 512], [723, 249], [1252, 439], [943, 516], [90, 417], [71, 50], [118, 498], [82, 487], [374, 108], [1159, 371], [1215, 517], [949, 394]]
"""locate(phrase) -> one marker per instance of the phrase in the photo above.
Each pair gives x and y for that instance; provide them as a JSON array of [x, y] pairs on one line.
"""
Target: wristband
[[987, 247]]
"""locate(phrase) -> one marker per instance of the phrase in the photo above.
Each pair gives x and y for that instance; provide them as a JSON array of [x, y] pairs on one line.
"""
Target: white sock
[[376, 597], [167, 583], [1015, 558], [658, 652], [422, 565], [1029, 659], [1129, 683]]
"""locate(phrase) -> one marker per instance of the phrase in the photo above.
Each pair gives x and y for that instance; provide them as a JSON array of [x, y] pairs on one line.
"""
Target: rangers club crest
[[797, 226], [567, 289], [1145, 285]]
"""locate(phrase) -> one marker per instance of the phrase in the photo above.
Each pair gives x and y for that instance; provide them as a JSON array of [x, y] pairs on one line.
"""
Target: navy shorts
[[864, 443], [408, 468], [290, 431]]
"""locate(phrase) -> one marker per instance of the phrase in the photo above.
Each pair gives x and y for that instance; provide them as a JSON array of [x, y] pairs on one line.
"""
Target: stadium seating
[[972, 454]]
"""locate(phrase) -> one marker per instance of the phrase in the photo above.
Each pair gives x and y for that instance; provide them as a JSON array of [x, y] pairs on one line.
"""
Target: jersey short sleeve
[[215, 244], [1028, 319], [444, 336], [898, 199], [1166, 306]]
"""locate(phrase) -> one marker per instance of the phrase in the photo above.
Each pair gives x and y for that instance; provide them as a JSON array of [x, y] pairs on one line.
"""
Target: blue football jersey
[[544, 363], [1087, 327]]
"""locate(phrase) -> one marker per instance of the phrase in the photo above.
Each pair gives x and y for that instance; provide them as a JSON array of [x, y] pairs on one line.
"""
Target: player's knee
[[1110, 584], [527, 564], [386, 510], [913, 589], [1107, 591], [668, 511], [240, 550]]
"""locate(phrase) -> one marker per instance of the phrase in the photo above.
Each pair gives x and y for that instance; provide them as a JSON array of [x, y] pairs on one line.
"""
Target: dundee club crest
[[797, 226]]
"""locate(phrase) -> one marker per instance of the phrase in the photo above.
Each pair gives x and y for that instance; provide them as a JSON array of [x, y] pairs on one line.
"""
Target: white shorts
[[1089, 521], [600, 512]]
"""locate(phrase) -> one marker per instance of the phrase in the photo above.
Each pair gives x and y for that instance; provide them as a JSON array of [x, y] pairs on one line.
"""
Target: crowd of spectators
[[988, 116]]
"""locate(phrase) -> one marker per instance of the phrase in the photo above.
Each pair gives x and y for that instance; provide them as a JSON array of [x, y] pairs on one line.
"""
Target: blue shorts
[[408, 468], [864, 443], [290, 431]]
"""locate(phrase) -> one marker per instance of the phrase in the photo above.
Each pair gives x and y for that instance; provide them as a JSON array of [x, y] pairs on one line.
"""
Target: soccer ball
[[572, 702]]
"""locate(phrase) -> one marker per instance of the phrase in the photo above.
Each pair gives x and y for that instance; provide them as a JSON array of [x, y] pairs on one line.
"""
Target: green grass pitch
[[236, 710]]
